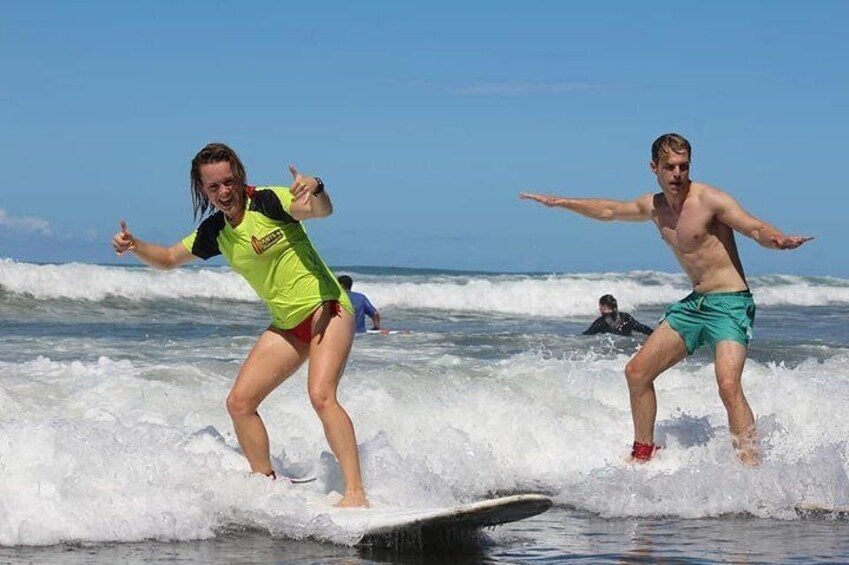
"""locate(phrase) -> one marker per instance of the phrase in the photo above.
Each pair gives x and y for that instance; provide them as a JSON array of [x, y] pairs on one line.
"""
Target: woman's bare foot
[[353, 499]]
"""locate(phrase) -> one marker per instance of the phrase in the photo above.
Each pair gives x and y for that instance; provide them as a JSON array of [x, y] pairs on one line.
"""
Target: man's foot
[[749, 458], [746, 445], [353, 500], [749, 455], [643, 452]]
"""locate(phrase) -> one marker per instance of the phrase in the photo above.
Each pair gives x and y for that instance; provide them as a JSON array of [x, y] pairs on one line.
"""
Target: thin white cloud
[[514, 88], [24, 224]]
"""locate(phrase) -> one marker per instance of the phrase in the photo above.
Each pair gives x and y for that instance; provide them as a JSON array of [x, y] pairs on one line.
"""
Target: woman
[[259, 232]]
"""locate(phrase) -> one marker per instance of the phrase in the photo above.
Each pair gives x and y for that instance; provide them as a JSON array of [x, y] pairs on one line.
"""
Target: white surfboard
[[374, 522]]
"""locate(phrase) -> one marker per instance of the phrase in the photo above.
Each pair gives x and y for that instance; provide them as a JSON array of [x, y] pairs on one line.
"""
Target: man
[[613, 321], [698, 222], [362, 306]]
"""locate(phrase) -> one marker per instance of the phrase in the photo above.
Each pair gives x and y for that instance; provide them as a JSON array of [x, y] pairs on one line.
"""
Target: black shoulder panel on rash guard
[[266, 203], [206, 240]]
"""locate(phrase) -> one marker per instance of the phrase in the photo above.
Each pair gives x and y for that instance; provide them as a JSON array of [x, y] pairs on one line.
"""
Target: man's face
[[605, 309], [673, 172], [221, 188]]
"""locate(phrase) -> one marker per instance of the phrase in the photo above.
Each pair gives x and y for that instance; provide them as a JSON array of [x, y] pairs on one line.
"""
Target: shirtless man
[[698, 222]]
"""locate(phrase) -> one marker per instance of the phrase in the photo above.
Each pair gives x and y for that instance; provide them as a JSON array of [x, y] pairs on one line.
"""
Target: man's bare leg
[[333, 334], [730, 357], [663, 349], [272, 360]]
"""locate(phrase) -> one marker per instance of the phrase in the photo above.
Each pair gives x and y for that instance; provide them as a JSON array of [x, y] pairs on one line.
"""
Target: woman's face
[[221, 188]]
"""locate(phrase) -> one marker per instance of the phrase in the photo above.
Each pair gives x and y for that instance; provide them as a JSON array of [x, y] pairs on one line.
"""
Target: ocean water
[[115, 445]]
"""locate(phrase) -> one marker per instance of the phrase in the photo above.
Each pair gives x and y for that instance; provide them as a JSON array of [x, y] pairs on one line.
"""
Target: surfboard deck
[[377, 522]]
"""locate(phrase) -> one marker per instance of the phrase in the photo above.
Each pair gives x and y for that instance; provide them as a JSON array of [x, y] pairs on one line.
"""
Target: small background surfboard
[[298, 480], [375, 523]]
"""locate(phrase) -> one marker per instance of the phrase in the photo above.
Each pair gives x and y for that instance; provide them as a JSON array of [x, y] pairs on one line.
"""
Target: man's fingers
[[541, 198], [791, 242], [123, 226], [295, 174]]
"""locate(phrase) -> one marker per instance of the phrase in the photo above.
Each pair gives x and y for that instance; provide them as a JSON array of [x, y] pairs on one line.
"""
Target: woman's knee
[[322, 398], [240, 405]]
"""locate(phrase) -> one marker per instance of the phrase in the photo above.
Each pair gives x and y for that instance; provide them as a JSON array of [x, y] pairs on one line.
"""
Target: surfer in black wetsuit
[[614, 321]]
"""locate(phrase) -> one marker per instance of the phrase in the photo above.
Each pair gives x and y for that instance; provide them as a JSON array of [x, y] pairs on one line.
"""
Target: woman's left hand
[[302, 187]]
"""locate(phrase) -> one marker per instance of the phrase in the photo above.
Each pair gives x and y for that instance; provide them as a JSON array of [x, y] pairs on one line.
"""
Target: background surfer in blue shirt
[[362, 306]]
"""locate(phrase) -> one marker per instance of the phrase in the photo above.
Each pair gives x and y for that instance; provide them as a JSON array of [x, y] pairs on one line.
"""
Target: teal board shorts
[[713, 317]]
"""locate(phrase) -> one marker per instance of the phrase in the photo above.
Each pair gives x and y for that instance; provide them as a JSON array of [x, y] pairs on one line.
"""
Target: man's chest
[[688, 230]]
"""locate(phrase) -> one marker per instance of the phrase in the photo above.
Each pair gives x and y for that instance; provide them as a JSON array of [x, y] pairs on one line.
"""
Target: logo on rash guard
[[262, 245]]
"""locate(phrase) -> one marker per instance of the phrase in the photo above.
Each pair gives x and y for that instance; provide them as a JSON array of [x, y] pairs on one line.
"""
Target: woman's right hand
[[123, 241]]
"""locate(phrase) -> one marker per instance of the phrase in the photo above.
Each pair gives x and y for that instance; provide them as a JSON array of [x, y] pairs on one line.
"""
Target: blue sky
[[425, 121]]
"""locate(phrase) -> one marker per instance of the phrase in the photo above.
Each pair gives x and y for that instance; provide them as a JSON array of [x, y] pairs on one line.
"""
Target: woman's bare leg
[[333, 334], [274, 357]]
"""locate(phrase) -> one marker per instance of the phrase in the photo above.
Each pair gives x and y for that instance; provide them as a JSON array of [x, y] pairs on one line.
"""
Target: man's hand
[[541, 198], [123, 241], [790, 241], [302, 187]]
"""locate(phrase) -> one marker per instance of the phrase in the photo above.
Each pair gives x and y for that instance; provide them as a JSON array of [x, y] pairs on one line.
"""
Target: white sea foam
[[119, 450]]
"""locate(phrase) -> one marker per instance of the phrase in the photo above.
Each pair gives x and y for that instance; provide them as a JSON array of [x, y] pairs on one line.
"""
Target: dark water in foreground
[[559, 536]]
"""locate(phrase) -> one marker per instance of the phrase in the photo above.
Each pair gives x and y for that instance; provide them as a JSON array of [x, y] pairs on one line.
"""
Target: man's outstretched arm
[[729, 212], [602, 209]]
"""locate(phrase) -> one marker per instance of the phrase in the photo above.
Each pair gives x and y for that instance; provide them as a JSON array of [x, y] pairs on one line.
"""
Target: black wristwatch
[[320, 188]]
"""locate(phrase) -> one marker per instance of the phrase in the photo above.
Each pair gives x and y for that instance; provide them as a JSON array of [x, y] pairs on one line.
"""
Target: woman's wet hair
[[213, 153]]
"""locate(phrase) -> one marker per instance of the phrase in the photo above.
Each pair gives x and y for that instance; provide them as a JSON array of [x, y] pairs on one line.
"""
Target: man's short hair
[[346, 281], [669, 143]]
